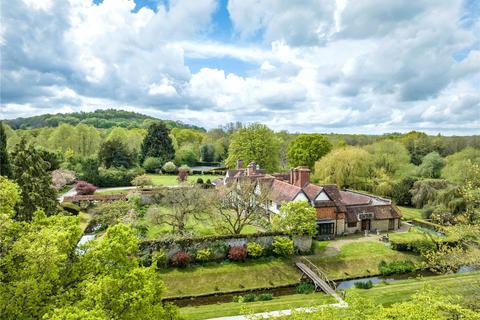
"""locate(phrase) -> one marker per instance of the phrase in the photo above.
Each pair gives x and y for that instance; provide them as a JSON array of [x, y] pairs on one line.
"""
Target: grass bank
[[409, 213]]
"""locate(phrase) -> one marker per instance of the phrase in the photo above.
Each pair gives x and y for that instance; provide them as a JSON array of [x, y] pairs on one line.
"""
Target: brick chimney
[[302, 176], [251, 168], [239, 164]]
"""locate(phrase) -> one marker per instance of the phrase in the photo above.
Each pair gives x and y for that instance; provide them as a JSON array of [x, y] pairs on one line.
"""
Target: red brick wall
[[326, 213]]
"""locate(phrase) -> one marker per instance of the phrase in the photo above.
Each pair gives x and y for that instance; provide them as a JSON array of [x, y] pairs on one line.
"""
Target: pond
[[83, 240]]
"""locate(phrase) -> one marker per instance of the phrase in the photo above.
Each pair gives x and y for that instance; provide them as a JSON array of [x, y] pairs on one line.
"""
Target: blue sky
[[315, 65]]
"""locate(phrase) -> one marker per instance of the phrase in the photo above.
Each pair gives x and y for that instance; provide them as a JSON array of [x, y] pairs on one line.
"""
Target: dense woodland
[[42, 275]]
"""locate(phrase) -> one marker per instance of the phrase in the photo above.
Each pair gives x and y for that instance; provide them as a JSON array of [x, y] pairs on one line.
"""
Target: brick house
[[339, 211]]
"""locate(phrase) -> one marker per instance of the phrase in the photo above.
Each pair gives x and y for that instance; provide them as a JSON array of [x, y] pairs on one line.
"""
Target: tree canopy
[[5, 169], [255, 142], [306, 149], [297, 218], [157, 143]]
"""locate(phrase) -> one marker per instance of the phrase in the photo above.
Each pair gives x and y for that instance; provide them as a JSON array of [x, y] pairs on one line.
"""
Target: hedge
[[428, 225], [425, 243]]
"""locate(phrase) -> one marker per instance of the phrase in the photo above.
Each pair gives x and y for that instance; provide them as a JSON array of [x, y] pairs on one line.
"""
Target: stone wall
[[381, 225]]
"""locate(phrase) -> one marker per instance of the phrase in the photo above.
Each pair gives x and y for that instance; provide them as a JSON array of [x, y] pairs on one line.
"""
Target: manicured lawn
[[413, 234], [356, 259], [235, 308], [410, 213], [171, 180], [229, 277]]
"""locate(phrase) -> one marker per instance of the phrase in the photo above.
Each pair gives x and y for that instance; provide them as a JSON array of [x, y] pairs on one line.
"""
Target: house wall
[[340, 226], [381, 225], [326, 213], [353, 229]]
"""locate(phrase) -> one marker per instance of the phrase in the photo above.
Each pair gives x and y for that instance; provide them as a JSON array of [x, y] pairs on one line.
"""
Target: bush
[[363, 284], [200, 181], [84, 188], [180, 259], [237, 253], [117, 177], [169, 167], [71, 207], [265, 297], [160, 259], [204, 255], [152, 164], [396, 267], [282, 246], [305, 288], [417, 245], [249, 297], [254, 250], [142, 181]]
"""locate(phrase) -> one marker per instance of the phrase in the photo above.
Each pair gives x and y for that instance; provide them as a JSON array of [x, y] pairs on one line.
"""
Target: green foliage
[[418, 145], [9, 197], [5, 169], [204, 255], [71, 207], [255, 142], [282, 246], [152, 164], [169, 167], [401, 191], [305, 288], [29, 171], [426, 191], [157, 143], [396, 267], [187, 154], [347, 167], [142, 181], [207, 152], [297, 218], [112, 213], [254, 249], [306, 149], [117, 177], [363, 284], [390, 156], [249, 297], [160, 259], [265, 297], [113, 153], [458, 167], [431, 165]]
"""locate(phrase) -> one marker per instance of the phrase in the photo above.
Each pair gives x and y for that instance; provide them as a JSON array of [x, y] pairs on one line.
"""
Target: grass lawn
[[235, 308], [227, 277], [410, 213], [356, 259], [84, 219], [171, 180]]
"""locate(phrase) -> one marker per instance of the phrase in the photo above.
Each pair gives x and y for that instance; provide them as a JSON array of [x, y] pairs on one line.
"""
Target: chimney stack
[[301, 176], [239, 164], [251, 168]]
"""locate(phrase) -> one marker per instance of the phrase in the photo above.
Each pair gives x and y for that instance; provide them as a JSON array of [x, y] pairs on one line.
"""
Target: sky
[[303, 66]]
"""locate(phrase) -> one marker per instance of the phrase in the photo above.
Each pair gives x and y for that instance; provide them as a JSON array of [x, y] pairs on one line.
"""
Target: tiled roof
[[379, 212], [352, 198], [283, 191], [312, 190]]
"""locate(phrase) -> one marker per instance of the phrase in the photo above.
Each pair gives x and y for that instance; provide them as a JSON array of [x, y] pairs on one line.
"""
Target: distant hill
[[99, 119]]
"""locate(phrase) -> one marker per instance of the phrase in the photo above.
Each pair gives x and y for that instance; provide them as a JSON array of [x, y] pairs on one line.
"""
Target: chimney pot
[[239, 164]]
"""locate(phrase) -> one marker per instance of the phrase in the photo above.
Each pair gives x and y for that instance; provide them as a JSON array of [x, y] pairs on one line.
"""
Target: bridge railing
[[318, 271]]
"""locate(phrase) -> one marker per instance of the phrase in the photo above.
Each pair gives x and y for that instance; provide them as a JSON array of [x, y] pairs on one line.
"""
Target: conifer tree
[[157, 143], [5, 169], [29, 171]]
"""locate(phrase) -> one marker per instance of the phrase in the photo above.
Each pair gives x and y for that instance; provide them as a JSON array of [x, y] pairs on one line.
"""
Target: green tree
[[255, 142], [113, 153], [5, 169], [306, 149], [348, 167], [112, 213], [297, 218], [391, 156], [152, 164], [207, 152], [87, 140], [157, 143], [418, 145], [458, 165], [29, 171], [431, 165], [9, 196], [187, 155], [62, 138]]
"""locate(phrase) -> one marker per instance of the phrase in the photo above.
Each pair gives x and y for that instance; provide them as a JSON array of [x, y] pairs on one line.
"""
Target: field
[[353, 258], [227, 277], [466, 285]]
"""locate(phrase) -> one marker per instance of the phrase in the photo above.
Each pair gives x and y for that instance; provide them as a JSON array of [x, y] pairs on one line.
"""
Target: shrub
[[305, 288], [237, 253], [265, 297], [169, 167], [249, 297], [254, 250], [180, 259], [416, 245], [160, 259], [152, 164], [282, 246], [200, 181], [142, 181], [117, 177], [396, 267], [363, 284], [84, 188], [70, 207], [209, 182], [204, 255], [184, 167]]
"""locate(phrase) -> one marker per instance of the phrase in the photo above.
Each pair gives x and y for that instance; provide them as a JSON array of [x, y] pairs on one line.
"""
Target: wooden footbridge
[[319, 278]]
